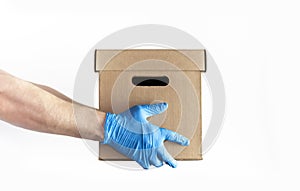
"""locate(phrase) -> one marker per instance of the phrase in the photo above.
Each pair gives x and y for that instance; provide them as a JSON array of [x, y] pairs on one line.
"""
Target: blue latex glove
[[132, 135]]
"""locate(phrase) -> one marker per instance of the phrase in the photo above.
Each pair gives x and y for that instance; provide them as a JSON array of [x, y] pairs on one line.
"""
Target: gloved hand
[[132, 135]]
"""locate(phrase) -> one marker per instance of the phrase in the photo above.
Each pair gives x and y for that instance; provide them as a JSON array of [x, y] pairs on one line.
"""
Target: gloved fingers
[[143, 164], [154, 109], [156, 162], [174, 137], [166, 157]]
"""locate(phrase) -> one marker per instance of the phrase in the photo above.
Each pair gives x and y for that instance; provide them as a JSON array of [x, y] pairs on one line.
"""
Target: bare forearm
[[29, 106], [54, 92]]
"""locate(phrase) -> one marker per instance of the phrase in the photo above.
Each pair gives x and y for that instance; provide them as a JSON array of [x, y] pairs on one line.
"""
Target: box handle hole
[[150, 80]]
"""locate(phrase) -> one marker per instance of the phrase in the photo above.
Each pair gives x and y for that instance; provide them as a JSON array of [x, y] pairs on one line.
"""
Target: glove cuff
[[107, 127]]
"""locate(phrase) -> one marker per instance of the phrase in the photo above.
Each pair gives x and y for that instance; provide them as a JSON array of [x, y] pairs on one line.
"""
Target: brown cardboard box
[[144, 76]]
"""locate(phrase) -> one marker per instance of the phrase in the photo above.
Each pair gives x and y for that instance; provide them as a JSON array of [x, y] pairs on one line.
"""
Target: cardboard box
[[145, 76]]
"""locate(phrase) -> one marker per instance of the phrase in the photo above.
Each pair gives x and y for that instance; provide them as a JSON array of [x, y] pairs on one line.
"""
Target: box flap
[[194, 59]]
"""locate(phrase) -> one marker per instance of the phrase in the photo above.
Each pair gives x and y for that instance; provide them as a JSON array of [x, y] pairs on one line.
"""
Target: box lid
[[193, 59]]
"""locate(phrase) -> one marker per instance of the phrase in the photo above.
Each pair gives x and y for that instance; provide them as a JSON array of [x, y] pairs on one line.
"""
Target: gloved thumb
[[154, 109]]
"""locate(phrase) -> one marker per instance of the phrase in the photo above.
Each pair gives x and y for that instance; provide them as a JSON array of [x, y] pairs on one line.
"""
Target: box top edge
[[199, 65]]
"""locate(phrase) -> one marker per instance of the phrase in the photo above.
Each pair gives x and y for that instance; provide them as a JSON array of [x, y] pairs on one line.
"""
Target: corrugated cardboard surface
[[118, 93]]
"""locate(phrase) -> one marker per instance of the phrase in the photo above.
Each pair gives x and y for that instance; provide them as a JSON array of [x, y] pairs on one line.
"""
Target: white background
[[254, 43]]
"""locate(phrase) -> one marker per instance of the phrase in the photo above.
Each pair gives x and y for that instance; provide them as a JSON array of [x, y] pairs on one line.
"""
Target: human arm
[[40, 108]]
